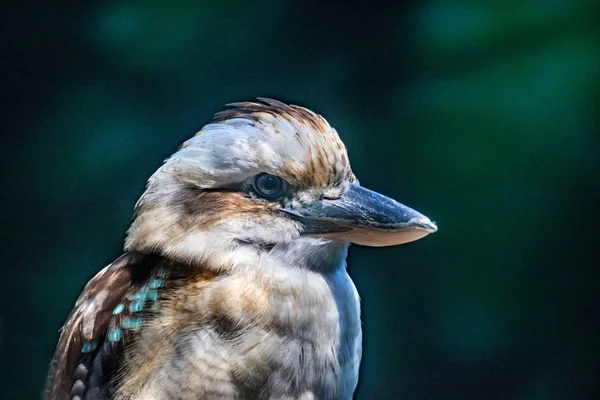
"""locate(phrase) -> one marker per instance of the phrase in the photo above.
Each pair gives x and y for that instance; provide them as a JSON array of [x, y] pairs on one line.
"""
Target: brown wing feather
[[83, 334]]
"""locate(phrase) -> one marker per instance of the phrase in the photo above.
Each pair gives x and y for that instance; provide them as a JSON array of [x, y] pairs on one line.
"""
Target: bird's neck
[[314, 254], [227, 256]]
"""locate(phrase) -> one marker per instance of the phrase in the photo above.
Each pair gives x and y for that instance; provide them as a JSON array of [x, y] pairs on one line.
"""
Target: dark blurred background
[[483, 115]]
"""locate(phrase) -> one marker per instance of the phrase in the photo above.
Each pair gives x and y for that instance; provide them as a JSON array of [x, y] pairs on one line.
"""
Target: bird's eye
[[269, 186]]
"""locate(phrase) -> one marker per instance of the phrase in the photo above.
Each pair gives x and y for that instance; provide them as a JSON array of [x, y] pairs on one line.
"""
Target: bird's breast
[[256, 336]]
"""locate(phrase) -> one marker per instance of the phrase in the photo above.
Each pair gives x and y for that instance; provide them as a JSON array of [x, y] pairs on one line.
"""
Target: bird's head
[[265, 177]]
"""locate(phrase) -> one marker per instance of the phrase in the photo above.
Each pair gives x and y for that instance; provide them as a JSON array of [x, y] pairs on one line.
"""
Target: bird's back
[[104, 320]]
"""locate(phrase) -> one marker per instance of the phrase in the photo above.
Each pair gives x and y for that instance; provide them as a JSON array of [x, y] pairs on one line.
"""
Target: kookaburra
[[233, 284]]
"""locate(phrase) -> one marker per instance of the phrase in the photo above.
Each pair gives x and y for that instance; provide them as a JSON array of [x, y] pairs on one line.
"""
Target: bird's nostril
[[332, 194]]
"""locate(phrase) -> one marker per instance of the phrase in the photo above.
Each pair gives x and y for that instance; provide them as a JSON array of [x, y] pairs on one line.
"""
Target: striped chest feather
[[234, 337]]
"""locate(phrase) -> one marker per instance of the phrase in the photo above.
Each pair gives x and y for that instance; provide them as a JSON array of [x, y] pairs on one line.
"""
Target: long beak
[[364, 217]]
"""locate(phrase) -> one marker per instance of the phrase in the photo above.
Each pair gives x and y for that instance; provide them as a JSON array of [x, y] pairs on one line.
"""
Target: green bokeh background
[[483, 115]]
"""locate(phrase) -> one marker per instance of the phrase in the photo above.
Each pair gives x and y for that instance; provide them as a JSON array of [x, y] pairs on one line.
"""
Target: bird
[[233, 282]]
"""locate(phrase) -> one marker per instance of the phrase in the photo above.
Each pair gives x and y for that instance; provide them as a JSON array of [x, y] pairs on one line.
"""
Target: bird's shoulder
[[104, 321]]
